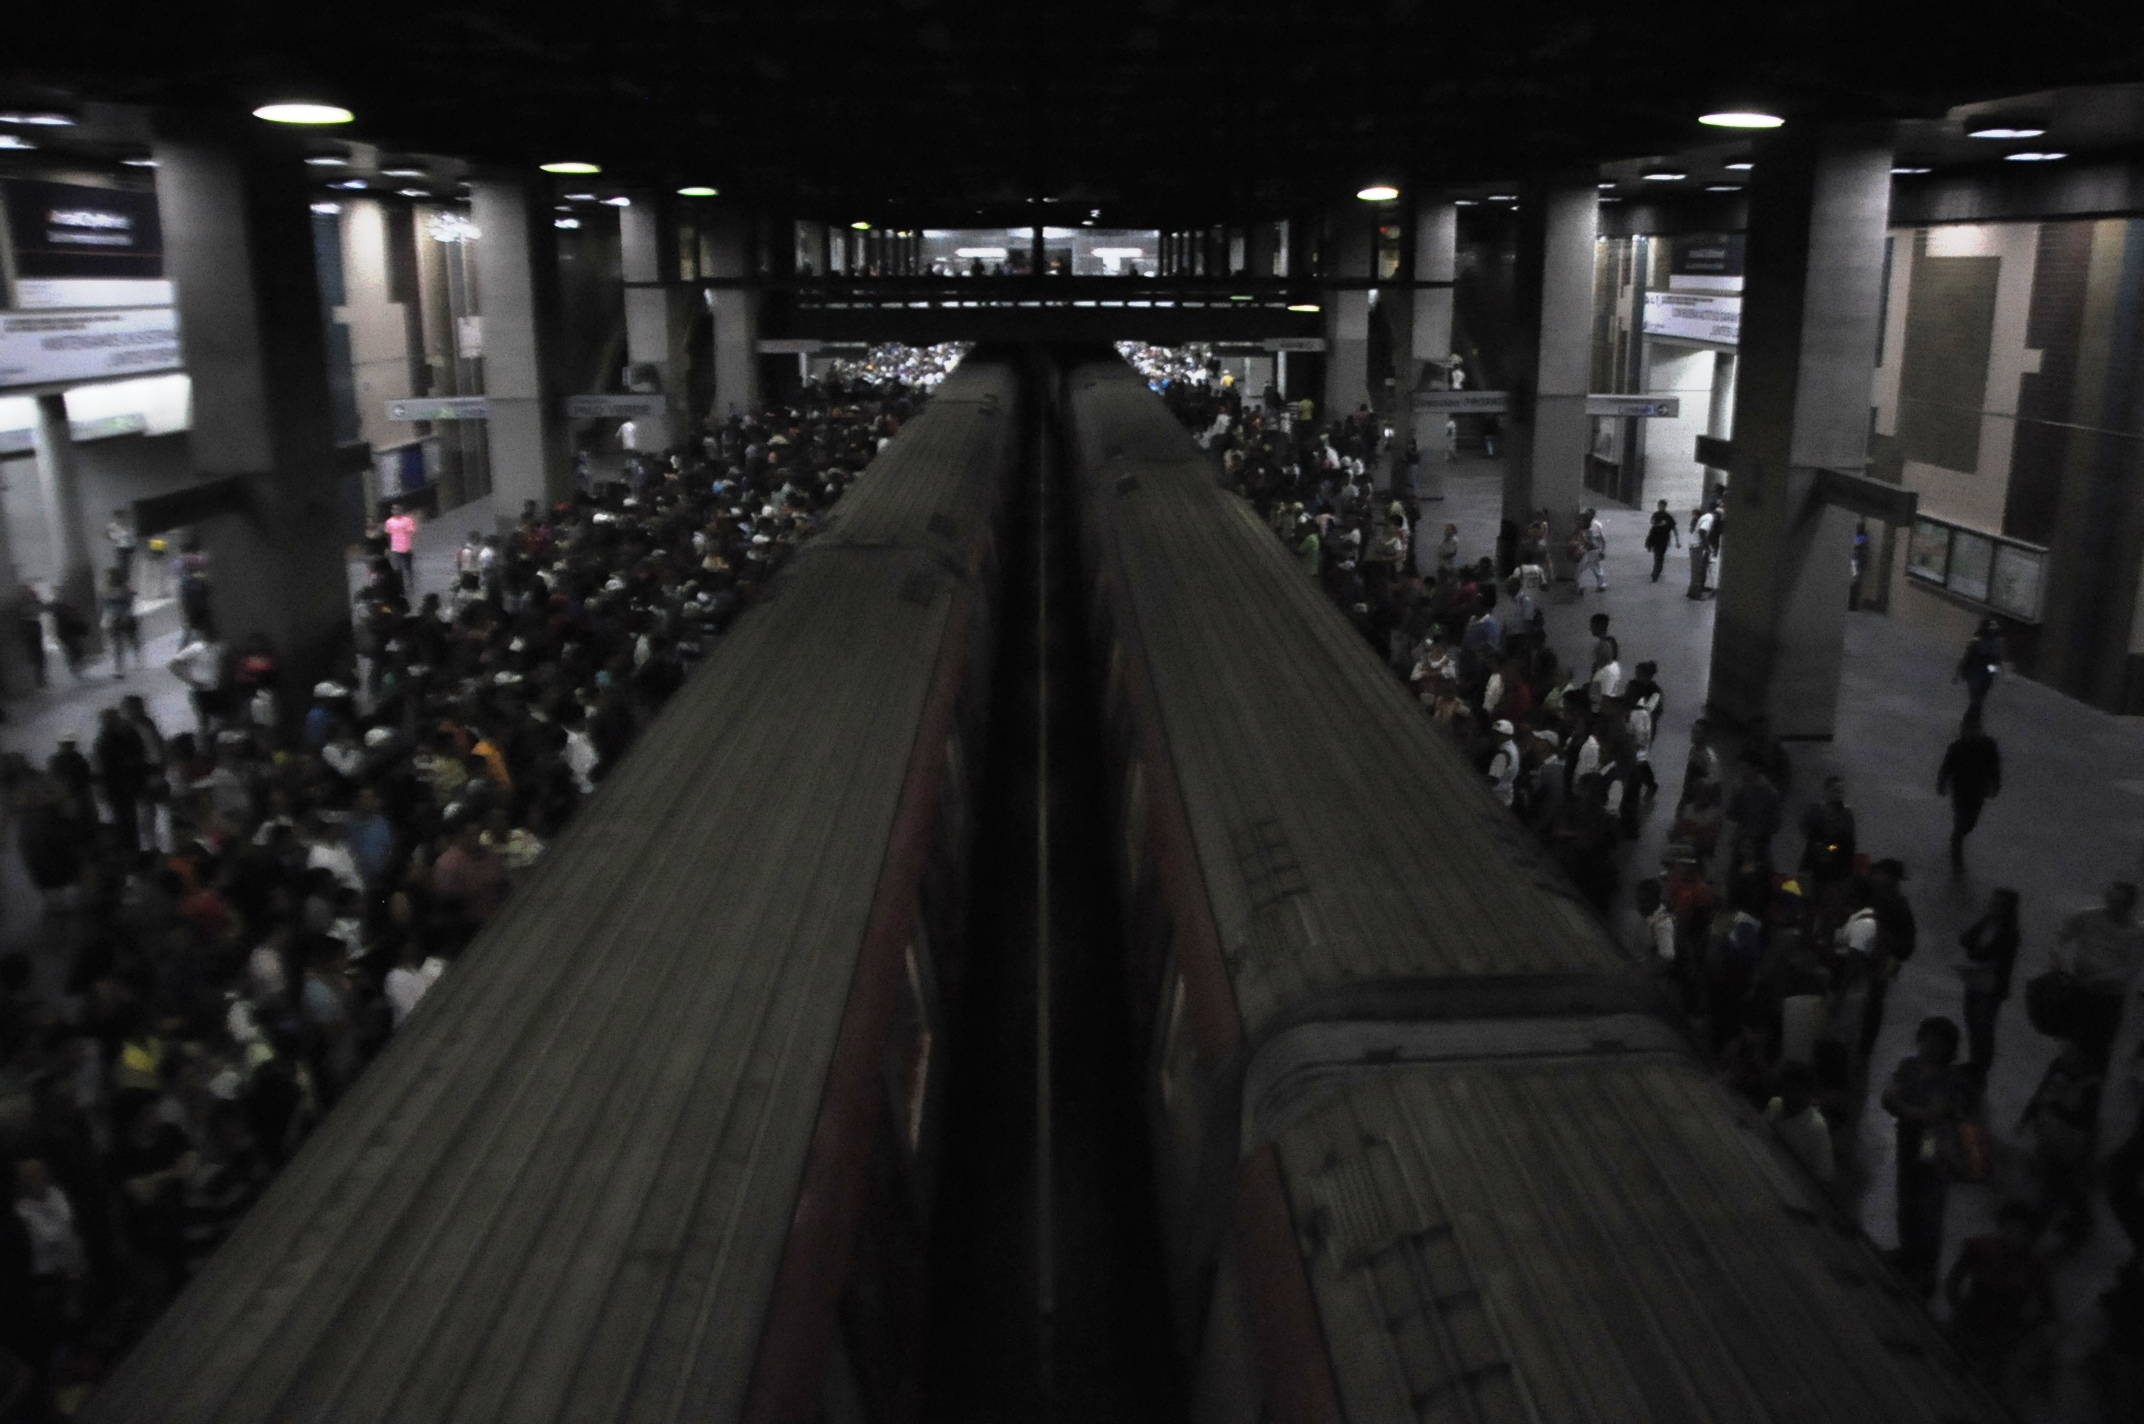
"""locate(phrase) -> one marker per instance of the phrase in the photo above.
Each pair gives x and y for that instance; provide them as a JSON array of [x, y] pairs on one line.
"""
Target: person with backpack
[[1660, 536]]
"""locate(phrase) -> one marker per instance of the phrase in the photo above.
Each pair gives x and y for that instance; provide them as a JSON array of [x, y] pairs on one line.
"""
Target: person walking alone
[[1660, 536], [1990, 945], [1971, 775], [1978, 666], [401, 530]]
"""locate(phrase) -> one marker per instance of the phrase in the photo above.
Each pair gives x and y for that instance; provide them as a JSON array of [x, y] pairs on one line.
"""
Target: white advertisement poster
[[37, 348], [1694, 316], [53, 293]]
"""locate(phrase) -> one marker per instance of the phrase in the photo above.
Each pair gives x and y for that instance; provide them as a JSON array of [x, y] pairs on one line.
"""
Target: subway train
[[660, 1145], [1428, 1143]]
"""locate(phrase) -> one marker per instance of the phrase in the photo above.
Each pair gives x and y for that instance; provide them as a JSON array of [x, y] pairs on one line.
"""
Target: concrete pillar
[[658, 320], [1351, 244], [1720, 417], [1261, 244], [1436, 259], [60, 490], [238, 245], [1547, 434], [1818, 206], [736, 315], [517, 298], [1258, 373]]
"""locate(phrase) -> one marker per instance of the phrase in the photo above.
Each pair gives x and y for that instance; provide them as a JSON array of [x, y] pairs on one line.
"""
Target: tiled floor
[[2070, 818]]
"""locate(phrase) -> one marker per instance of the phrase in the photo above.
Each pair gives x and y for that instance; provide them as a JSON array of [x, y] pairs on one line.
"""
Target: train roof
[[1585, 1240], [1344, 841], [563, 1190]]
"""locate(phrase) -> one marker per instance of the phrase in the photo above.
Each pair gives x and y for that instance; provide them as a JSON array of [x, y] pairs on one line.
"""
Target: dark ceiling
[[927, 110]]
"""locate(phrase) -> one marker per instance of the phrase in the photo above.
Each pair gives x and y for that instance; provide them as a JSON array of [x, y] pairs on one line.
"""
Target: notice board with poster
[[76, 246]]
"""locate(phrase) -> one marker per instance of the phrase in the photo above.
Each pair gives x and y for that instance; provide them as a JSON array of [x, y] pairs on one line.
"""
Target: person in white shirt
[[200, 665], [1801, 1127], [1606, 682], [324, 851], [408, 982], [47, 1218], [1504, 765]]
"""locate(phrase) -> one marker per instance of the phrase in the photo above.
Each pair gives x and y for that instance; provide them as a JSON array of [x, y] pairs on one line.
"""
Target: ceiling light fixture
[[1378, 193], [621, 201], [570, 166], [351, 183], [304, 113], [1741, 119], [1743, 166], [1304, 307], [580, 197], [327, 160], [2030, 157], [1503, 197], [568, 223], [697, 191], [1604, 185], [15, 141], [1240, 297], [325, 209], [402, 173], [138, 162], [1905, 171], [414, 192], [2006, 133], [1723, 187], [40, 118], [1665, 177], [1465, 202], [861, 226]]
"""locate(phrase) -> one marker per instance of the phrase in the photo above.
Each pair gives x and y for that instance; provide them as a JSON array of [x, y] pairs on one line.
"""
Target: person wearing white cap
[[1504, 765]]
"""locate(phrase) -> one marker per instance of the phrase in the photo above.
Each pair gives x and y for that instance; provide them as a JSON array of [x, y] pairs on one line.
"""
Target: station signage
[[80, 246], [615, 407], [1295, 343], [1713, 317], [440, 408], [790, 346], [50, 347], [1462, 402], [1667, 407]]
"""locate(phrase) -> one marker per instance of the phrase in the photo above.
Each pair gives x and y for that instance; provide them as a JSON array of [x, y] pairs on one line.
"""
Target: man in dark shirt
[[1660, 536], [1897, 936], [1971, 774], [1828, 835]]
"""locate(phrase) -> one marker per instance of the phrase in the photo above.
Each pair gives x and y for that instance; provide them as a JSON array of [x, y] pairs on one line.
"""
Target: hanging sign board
[[1463, 402], [614, 407], [440, 408], [39, 348], [81, 246], [790, 346], [1666, 406], [1295, 343]]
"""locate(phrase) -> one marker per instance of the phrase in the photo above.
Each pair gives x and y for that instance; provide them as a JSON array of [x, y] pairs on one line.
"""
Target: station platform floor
[[2071, 818]]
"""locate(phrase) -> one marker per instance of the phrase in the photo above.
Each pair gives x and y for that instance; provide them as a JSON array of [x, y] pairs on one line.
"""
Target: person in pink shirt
[[401, 529]]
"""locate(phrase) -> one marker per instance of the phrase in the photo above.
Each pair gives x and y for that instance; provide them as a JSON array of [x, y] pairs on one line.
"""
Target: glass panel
[[1972, 558], [2015, 589], [1929, 555]]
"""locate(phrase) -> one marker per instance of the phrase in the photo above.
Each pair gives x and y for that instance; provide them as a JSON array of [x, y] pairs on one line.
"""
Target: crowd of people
[[1779, 941], [238, 913]]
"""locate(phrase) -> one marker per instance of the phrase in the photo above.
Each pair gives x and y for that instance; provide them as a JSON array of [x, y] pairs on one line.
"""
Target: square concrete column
[[1819, 202], [658, 320], [517, 298], [238, 245], [1347, 313], [736, 315], [1436, 259], [60, 491], [1552, 352]]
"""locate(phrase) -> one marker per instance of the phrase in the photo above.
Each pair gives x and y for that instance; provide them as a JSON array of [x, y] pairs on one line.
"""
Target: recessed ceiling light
[[1903, 170], [1304, 307], [2006, 133], [1665, 177], [562, 208], [1604, 185], [1378, 193], [351, 183], [327, 160], [324, 209], [1086, 222], [41, 118], [621, 201], [1613, 198], [566, 222], [861, 226], [1742, 167], [139, 162], [570, 166], [1465, 203], [1741, 119], [302, 113], [15, 141], [1723, 187], [401, 172], [414, 192], [580, 197], [1240, 297], [1503, 197], [2034, 157], [697, 191]]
